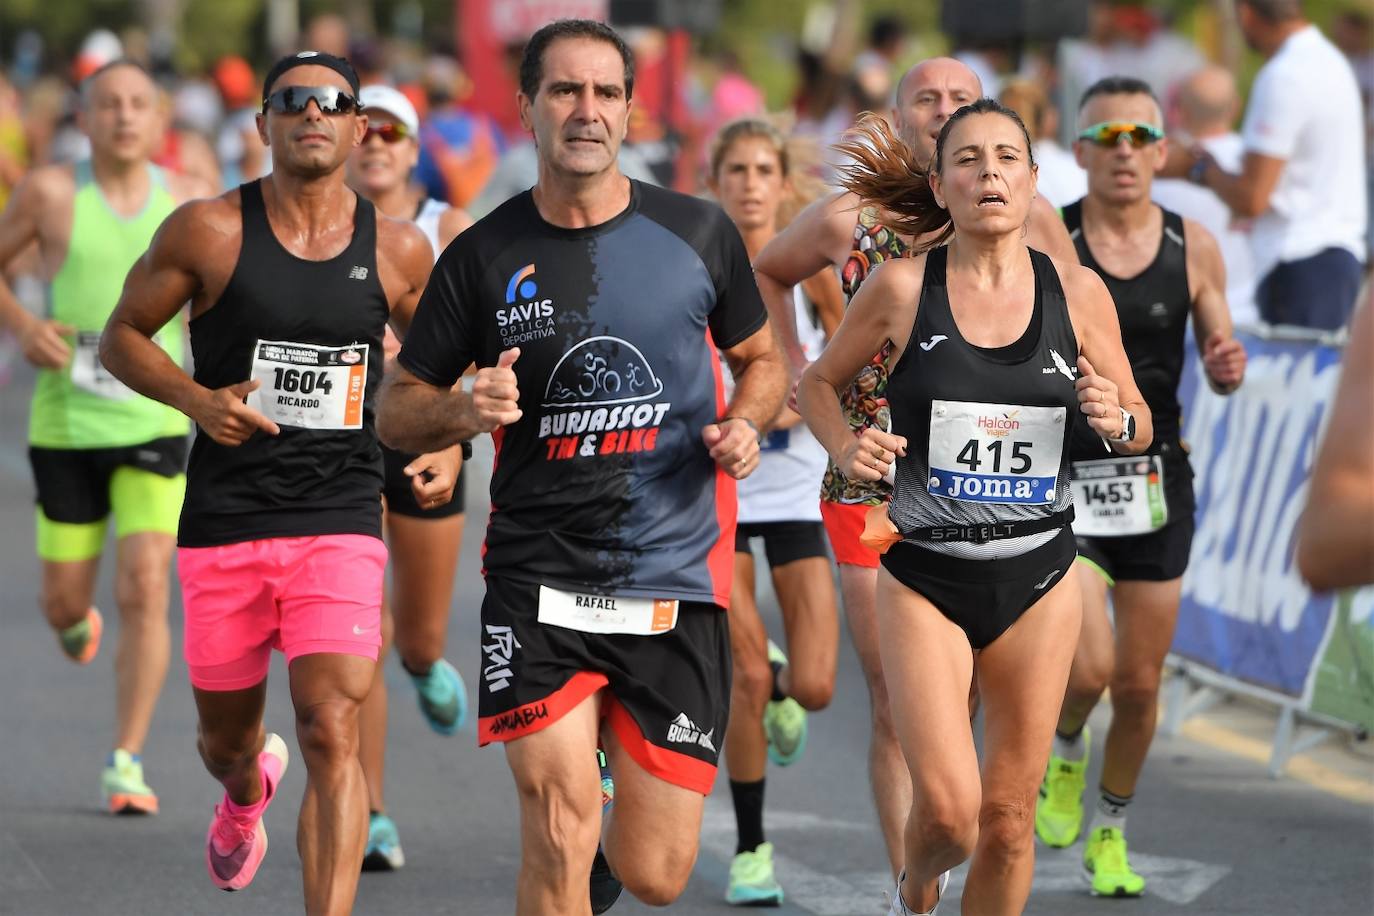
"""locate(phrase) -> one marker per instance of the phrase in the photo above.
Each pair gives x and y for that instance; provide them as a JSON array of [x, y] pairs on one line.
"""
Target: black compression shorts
[[401, 499], [783, 542], [1159, 556], [74, 484]]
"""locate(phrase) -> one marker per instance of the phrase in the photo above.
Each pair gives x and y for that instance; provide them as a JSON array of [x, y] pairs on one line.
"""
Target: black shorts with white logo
[[667, 696], [74, 484], [984, 597], [400, 498], [783, 542], [1159, 556]]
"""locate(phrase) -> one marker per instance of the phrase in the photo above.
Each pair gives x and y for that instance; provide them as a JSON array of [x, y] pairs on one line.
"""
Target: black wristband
[[466, 447]]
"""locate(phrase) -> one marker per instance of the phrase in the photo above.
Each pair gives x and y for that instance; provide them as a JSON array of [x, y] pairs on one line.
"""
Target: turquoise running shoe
[[443, 698], [383, 852]]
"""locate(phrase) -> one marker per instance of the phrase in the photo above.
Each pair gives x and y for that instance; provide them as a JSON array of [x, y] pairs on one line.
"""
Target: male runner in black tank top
[[291, 280], [1134, 517], [609, 552]]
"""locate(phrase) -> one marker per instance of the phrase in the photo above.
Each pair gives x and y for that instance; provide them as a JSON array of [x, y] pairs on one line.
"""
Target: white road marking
[[13, 876], [1177, 881]]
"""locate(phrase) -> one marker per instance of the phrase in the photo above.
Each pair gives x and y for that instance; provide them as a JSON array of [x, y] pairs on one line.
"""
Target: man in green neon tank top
[[97, 448]]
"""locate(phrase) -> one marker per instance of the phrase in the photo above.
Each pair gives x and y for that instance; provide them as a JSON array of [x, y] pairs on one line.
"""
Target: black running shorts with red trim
[[667, 697]]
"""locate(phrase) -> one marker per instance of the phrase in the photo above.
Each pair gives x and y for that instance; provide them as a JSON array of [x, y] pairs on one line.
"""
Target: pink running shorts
[[304, 595]]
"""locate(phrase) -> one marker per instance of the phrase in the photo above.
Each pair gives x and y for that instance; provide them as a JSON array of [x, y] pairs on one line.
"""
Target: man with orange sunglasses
[[1134, 515]]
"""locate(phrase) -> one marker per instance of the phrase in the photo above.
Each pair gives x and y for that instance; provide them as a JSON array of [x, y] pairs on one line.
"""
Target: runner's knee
[[1004, 826], [1090, 676], [328, 731], [948, 821], [225, 750], [657, 873], [812, 691], [1135, 690], [142, 586]]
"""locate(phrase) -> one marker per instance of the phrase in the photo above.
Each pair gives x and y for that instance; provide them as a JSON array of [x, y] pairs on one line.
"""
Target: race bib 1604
[[309, 386], [995, 453]]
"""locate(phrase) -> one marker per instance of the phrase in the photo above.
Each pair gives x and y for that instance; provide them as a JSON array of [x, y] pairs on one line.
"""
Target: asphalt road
[[1210, 831]]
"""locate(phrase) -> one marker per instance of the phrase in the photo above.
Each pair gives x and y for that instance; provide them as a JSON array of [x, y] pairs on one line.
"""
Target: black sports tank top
[[1153, 309], [986, 428], [311, 333]]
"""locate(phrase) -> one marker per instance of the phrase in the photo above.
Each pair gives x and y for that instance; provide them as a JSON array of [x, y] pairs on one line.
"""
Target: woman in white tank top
[[779, 503]]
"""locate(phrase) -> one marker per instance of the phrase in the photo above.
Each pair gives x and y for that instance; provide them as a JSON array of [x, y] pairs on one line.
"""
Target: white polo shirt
[[1305, 109]]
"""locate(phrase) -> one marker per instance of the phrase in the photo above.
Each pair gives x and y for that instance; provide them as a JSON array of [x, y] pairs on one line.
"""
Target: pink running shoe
[[234, 846]]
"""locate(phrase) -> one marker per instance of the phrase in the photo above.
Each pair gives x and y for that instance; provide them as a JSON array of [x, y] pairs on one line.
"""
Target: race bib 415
[[995, 453]]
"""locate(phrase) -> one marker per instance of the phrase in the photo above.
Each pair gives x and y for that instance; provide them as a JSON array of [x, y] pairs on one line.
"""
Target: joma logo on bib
[[995, 453]]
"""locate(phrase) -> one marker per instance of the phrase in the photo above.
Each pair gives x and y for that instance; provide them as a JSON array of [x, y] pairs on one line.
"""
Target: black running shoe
[[606, 887]]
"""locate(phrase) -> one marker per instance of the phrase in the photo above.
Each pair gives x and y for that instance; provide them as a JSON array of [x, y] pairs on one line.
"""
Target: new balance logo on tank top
[[987, 430], [604, 484], [311, 333], [1153, 308]]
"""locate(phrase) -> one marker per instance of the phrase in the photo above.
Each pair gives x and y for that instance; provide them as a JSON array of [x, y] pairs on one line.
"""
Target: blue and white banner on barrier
[[1246, 613]]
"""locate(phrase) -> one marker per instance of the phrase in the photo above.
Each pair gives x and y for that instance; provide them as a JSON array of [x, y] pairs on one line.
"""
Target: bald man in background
[[1204, 111]]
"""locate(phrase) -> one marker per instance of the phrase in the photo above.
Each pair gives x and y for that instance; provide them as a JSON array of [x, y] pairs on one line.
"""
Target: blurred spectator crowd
[[844, 62]]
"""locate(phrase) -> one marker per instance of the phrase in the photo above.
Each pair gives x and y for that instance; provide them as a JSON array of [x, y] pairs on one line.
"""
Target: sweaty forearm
[[420, 418], [133, 358], [760, 388]]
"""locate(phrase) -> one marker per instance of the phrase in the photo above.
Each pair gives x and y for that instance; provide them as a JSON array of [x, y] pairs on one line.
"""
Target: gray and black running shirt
[[604, 484]]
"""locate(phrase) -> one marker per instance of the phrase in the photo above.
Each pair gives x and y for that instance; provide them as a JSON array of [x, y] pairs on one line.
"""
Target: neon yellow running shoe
[[1105, 865], [1059, 809], [784, 721], [751, 879]]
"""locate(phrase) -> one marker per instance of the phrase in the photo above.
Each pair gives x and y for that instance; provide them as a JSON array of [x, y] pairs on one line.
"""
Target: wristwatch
[[1127, 426]]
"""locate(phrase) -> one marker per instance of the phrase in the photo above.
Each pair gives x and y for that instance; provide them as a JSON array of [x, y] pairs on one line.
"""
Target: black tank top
[[986, 428], [323, 474], [1153, 309]]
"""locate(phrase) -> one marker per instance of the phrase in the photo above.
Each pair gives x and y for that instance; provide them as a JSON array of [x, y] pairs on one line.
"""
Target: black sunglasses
[[293, 100]]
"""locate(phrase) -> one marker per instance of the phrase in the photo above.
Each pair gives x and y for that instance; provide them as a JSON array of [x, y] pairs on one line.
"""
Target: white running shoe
[[899, 907]]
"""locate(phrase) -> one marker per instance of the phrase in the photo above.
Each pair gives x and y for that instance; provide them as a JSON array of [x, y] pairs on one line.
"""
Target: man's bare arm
[[161, 282], [813, 241], [1248, 193], [41, 340], [1223, 357], [415, 416], [760, 385]]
